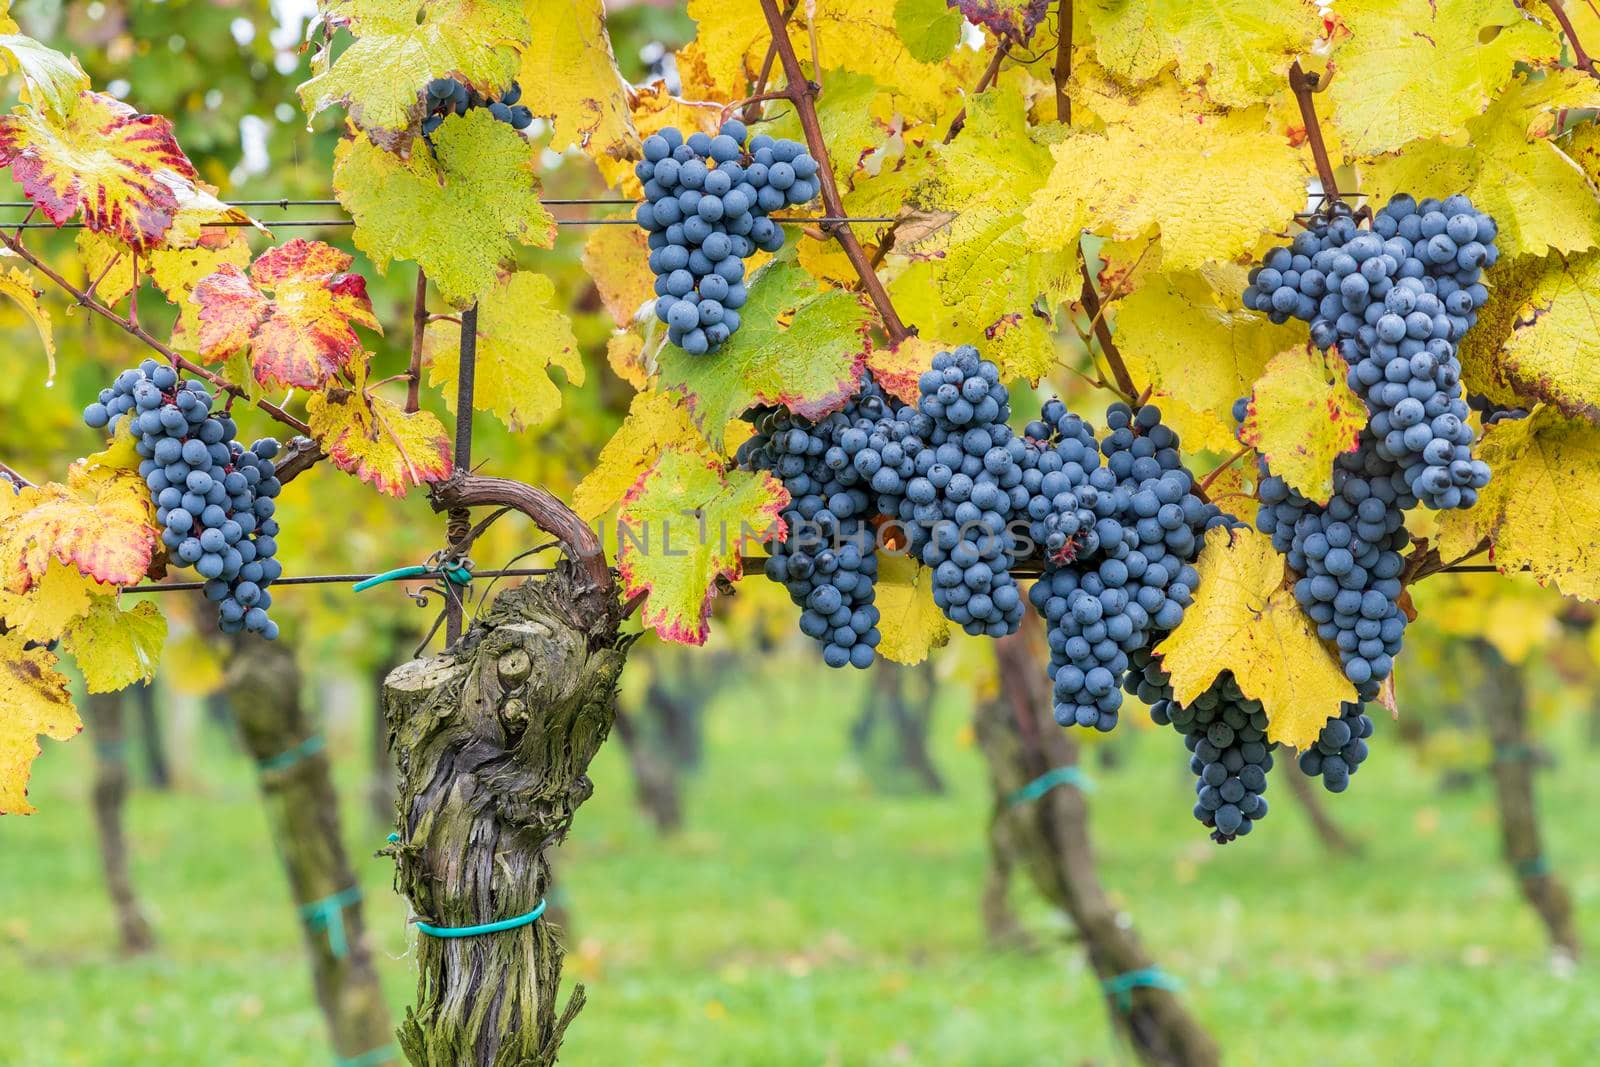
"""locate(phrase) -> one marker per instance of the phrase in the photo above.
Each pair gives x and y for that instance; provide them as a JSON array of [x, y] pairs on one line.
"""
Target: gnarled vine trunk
[[303, 814], [493, 740], [103, 713], [1049, 835], [1505, 707]]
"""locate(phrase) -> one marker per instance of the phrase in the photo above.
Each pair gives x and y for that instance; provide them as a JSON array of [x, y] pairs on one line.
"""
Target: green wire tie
[[289, 757], [1515, 753], [110, 750], [453, 573], [1049, 780], [1121, 987], [368, 1059], [484, 928], [1533, 868], [328, 914]]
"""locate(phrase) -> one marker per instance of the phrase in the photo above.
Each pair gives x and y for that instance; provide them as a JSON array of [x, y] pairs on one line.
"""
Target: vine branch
[[419, 326], [1304, 86], [1102, 332], [800, 92], [11, 473], [752, 109], [990, 73], [1580, 58], [1063, 67]]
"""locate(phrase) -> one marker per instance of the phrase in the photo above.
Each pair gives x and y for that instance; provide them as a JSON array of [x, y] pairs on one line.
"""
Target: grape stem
[[752, 111], [1102, 332], [1216, 472], [1580, 58], [10, 472], [84, 299], [990, 73], [801, 93], [1304, 86], [1063, 67]]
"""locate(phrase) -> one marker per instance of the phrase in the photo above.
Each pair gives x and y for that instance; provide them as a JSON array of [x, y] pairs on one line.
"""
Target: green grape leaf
[[928, 28], [116, 648], [457, 215], [49, 79], [379, 79], [801, 346], [683, 525]]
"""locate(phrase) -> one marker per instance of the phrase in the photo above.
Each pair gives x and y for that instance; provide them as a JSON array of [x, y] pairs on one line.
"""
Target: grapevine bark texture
[[1050, 837], [103, 711], [492, 740], [1505, 704], [303, 816]]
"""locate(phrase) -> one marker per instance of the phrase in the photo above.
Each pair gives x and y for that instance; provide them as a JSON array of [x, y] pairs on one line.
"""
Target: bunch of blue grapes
[[706, 207], [829, 563], [1130, 577], [967, 479], [446, 97], [1396, 301], [1226, 734], [1340, 748], [214, 498], [1058, 467], [1349, 554]]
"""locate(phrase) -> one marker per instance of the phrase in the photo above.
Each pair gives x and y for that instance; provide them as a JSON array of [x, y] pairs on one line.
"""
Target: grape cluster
[[1057, 468], [829, 563], [1116, 584], [1340, 749], [214, 498], [1396, 301], [1226, 734], [447, 97], [706, 207]]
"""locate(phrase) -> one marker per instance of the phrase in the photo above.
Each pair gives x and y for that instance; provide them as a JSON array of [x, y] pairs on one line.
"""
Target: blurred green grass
[[804, 919]]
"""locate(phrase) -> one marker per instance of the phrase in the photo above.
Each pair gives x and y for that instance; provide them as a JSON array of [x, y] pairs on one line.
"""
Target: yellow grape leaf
[[297, 311], [116, 648], [1540, 196], [618, 259], [1537, 336], [983, 262], [376, 440], [49, 79], [1021, 345], [683, 525], [1512, 611], [625, 355], [117, 167], [1423, 68], [379, 79], [37, 702], [1239, 53], [1302, 415], [1243, 620], [910, 623], [16, 283], [1198, 350], [521, 334], [654, 108], [45, 611], [100, 522], [457, 215], [570, 76], [656, 423], [107, 262], [1541, 508], [1210, 181]]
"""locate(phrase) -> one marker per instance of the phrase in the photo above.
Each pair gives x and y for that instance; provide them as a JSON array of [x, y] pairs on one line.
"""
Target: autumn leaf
[[117, 167], [899, 368], [569, 75], [801, 346], [625, 356], [1244, 620], [1409, 69], [1541, 508], [16, 284], [49, 79], [521, 335], [618, 259], [1210, 181], [379, 78], [656, 423], [114, 648], [37, 703], [911, 625], [296, 311], [47, 609], [691, 520], [376, 440], [460, 215], [1301, 416], [99, 522]]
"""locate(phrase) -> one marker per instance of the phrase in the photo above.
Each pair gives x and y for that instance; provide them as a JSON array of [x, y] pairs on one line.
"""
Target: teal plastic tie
[[328, 914], [393, 839], [1515, 753], [1049, 780], [376, 1056], [455, 574], [289, 757], [485, 928], [1533, 868], [1120, 987], [110, 750]]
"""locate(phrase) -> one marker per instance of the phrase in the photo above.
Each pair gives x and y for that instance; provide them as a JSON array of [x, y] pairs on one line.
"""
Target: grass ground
[[803, 919]]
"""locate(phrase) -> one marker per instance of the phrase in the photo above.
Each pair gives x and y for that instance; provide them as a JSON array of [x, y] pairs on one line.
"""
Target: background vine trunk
[[103, 715]]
